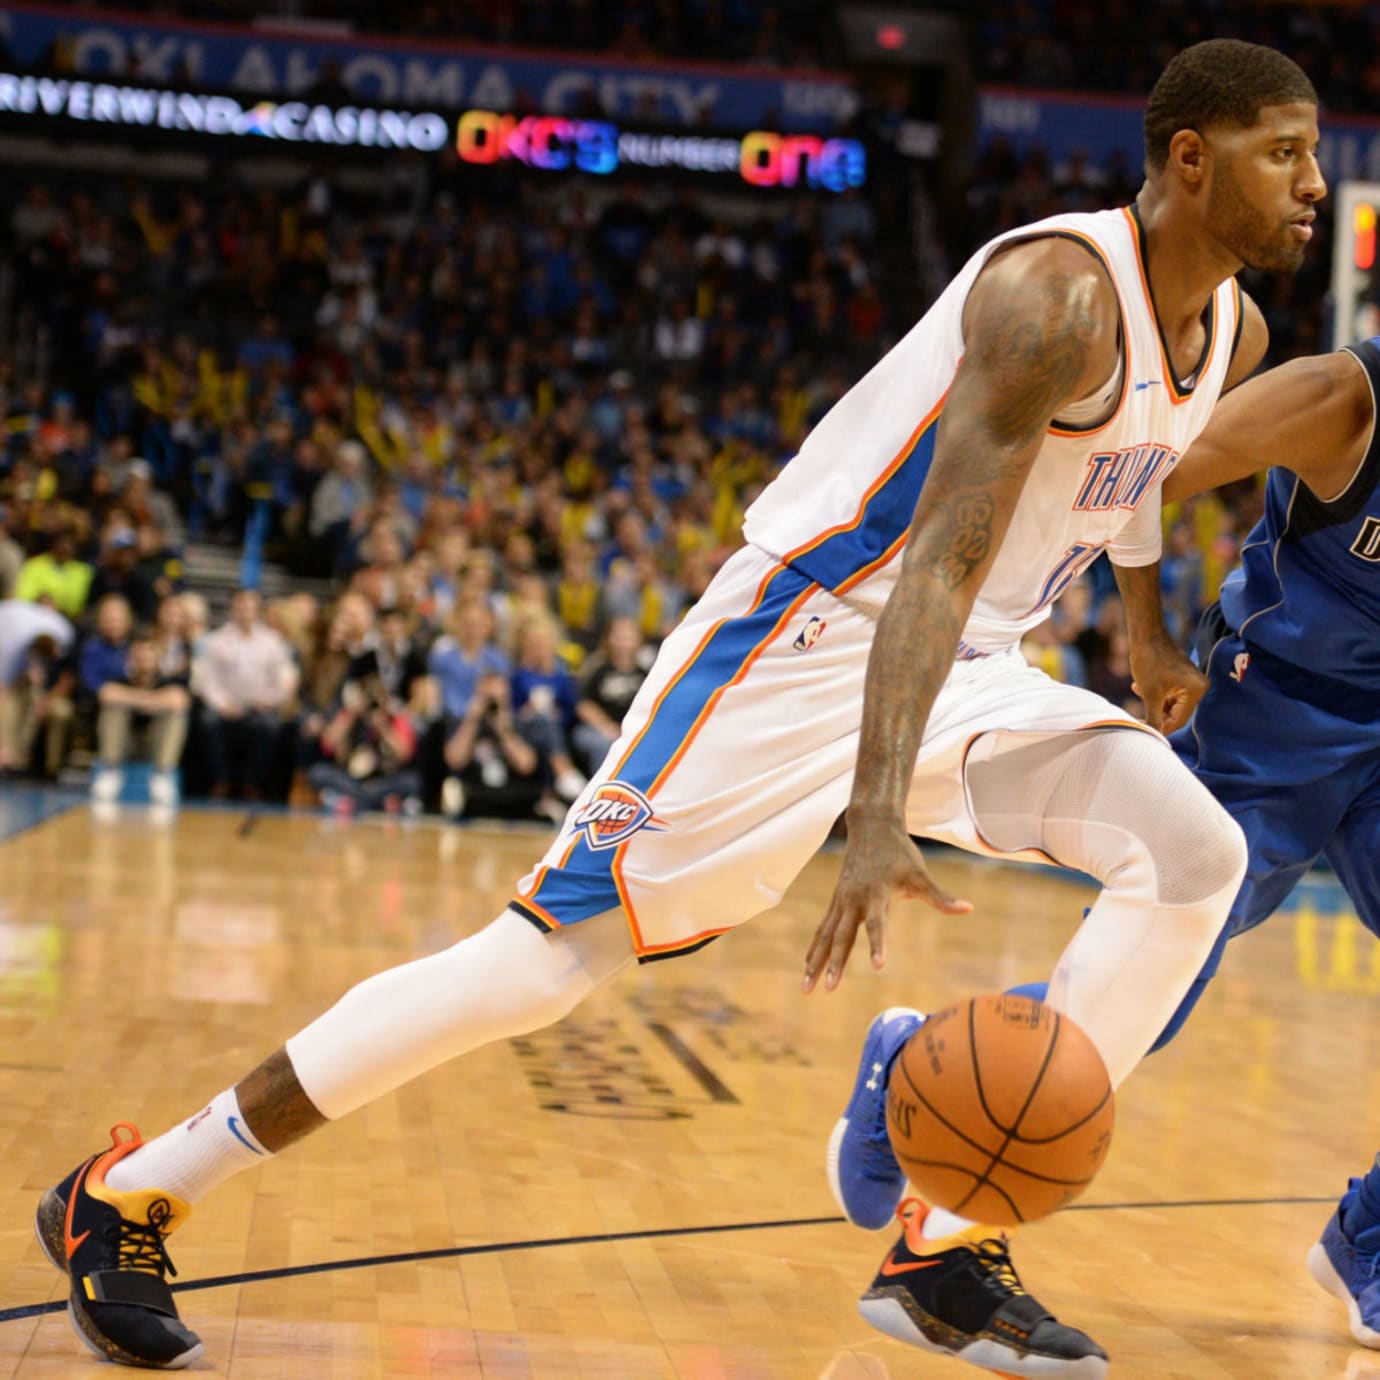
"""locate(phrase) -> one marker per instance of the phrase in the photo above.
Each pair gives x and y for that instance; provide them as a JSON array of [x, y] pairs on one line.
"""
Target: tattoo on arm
[[1031, 343], [970, 538]]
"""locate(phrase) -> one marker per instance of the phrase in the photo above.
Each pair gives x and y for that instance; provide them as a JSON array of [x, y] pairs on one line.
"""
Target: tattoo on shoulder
[[1038, 356]]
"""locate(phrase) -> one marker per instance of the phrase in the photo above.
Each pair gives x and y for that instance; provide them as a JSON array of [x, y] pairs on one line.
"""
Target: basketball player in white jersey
[[860, 652]]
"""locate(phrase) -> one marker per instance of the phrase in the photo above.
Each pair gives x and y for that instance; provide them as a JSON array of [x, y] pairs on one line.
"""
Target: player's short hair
[[1222, 80]]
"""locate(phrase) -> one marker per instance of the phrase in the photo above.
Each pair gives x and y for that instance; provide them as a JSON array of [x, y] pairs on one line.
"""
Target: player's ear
[[1188, 156]]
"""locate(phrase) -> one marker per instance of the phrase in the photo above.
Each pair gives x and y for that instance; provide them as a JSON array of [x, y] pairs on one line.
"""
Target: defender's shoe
[[866, 1181], [1349, 1269], [111, 1244], [960, 1296]]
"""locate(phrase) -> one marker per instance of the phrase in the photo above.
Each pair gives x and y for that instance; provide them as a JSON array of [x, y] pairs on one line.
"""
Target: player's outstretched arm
[[1313, 416], [1040, 330]]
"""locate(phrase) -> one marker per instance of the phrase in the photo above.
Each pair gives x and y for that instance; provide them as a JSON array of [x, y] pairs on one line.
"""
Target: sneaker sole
[[49, 1222], [888, 1316], [102, 1347], [1325, 1275]]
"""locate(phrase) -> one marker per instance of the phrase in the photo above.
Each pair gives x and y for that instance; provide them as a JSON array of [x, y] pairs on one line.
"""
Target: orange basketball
[[1000, 1109]]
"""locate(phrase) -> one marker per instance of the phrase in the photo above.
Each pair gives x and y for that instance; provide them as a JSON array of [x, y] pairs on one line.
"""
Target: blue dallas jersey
[[1308, 587]]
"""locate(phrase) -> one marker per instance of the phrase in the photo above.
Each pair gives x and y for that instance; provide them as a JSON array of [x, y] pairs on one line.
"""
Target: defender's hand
[[880, 861], [1169, 683]]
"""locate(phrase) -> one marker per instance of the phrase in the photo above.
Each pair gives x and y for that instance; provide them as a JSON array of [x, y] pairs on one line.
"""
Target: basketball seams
[[1009, 1134], [963, 1169], [1069, 1129], [1039, 1078], [981, 1180], [986, 1182], [1045, 1178], [936, 1113], [977, 1067]]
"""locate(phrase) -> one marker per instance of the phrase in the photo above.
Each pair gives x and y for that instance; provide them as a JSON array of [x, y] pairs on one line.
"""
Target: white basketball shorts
[[737, 756]]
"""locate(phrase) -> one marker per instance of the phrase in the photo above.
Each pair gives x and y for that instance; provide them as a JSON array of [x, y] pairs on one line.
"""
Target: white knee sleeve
[[1119, 805], [506, 980]]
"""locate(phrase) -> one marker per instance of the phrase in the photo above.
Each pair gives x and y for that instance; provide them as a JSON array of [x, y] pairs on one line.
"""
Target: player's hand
[[1169, 684], [880, 861]]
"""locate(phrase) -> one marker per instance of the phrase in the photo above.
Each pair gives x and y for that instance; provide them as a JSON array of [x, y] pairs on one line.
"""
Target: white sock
[[941, 1222], [191, 1159]]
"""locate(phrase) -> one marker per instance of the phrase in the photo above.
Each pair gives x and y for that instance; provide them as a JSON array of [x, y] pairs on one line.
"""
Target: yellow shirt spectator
[[66, 581]]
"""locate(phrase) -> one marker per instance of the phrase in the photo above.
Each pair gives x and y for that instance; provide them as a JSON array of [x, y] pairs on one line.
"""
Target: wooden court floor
[[639, 1193]]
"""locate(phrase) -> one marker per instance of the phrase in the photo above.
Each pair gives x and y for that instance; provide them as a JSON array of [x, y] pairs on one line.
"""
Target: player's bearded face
[[1261, 239]]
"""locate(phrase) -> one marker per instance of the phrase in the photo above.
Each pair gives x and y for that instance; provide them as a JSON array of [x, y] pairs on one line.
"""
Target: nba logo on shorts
[[613, 814], [1238, 668], [809, 634]]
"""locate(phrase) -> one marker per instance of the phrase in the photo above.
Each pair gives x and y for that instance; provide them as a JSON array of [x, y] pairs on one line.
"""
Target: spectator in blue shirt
[[265, 344], [544, 698], [459, 659], [103, 654]]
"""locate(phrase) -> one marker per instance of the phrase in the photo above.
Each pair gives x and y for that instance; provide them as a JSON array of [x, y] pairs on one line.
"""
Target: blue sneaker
[[1350, 1270], [866, 1181]]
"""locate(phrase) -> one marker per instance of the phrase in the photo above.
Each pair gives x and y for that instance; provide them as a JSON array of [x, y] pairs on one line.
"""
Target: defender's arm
[[1313, 416]]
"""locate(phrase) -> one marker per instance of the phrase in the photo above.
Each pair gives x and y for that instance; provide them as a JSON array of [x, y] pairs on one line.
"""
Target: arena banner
[[762, 158], [549, 143], [1104, 126], [381, 71]]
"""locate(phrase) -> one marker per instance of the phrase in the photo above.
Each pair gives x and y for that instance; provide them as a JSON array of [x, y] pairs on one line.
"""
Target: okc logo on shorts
[[810, 634], [613, 814]]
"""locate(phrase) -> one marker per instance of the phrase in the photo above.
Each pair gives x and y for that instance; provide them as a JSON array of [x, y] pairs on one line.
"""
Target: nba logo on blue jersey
[[613, 814], [809, 634]]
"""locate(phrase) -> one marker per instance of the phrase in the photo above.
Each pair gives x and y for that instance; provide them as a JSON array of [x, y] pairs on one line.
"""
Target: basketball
[[1000, 1109]]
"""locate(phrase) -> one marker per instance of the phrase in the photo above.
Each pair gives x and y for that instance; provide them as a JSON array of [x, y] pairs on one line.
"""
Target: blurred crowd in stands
[[502, 439], [521, 442], [1123, 45], [1089, 45], [765, 33]]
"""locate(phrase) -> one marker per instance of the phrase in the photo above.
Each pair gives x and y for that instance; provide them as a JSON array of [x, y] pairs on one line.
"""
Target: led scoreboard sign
[[1355, 271], [762, 158], [554, 143]]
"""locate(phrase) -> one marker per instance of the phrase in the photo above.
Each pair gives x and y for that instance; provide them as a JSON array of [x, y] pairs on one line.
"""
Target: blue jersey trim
[[885, 521], [584, 884]]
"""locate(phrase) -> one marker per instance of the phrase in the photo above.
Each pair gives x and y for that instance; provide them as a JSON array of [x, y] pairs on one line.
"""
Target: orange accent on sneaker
[[911, 1212], [118, 1150], [71, 1244], [890, 1267]]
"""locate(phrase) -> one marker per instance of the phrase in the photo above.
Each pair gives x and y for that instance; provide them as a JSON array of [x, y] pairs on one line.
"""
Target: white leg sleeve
[[1120, 806], [506, 980]]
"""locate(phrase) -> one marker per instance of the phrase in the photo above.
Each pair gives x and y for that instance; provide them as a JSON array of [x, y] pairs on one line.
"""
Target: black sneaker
[[111, 1244], [960, 1296]]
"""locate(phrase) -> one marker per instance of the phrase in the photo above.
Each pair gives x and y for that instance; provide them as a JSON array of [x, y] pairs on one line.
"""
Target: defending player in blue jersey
[[1288, 734], [1287, 737]]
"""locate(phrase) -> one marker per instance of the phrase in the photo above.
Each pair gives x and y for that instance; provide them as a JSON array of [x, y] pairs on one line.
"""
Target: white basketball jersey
[[840, 511]]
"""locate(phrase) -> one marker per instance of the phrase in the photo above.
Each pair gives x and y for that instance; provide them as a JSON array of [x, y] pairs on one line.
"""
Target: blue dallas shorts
[[1295, 760]]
